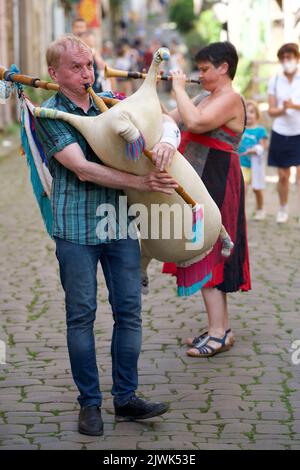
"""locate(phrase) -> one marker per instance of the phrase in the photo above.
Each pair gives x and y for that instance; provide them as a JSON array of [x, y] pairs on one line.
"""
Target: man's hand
[[158, 182], [162, 154]]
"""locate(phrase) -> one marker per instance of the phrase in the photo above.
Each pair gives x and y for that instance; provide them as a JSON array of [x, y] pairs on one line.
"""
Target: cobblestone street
[[246, 398]]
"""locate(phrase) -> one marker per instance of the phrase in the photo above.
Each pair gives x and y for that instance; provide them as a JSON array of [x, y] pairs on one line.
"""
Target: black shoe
[[136, 408], [90, 421]]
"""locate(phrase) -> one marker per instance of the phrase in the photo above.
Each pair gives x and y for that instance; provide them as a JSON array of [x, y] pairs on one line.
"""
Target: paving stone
[[44, 439], [61, 446], [26, 414], [271, 429], [43, 428], [162, 444], [14, 440], [262, 446], [70, 436], [129, 443], [216, 446], [57, 406], [17, 382], [61, 418], [19, 447], [275, 415], [24, 420], [296, 427], [8, 429], [68, 426]]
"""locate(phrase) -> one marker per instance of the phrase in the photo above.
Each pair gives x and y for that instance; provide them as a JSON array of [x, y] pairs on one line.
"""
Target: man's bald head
[[58, 47]]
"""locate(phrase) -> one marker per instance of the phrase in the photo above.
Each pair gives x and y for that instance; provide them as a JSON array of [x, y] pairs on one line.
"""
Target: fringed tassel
[[186, 291], [135, 149], [198, 226], [118, 95], [41, 197]]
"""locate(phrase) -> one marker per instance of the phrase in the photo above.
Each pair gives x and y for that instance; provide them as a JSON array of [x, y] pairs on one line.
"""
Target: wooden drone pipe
[[110, 72], [9, 76]]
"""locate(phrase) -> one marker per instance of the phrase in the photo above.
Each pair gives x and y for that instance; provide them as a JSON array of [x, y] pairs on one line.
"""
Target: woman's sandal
[[202, 349], [191, 342]]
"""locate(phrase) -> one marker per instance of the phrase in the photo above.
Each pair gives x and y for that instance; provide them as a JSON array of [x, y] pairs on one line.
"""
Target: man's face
[[79, 27], [74, 70]]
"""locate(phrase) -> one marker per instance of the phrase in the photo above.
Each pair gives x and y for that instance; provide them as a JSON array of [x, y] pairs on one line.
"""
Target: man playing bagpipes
[[80, 184]]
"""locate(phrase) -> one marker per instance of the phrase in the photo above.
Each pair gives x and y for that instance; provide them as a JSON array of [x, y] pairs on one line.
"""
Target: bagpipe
[[123, 124]]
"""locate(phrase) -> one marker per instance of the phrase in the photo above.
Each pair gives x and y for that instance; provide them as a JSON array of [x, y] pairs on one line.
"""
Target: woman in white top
[[284, 106]]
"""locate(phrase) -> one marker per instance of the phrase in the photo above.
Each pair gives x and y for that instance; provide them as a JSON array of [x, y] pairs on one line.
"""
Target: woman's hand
[[178, 80], [288, 104]]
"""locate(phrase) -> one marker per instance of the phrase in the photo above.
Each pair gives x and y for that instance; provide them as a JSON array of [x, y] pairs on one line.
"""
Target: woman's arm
[[274, 110], [174, 114], [214, 114]]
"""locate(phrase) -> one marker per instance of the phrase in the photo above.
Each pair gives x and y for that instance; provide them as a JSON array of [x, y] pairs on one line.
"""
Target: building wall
[[26, 29], [5, 37], [36, 32]]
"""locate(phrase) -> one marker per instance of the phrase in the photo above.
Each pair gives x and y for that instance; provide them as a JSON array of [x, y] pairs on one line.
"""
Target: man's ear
[[52, 73]]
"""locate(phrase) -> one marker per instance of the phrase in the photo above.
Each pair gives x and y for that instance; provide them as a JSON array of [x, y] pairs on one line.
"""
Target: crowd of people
[[127, 56], [226, 137]]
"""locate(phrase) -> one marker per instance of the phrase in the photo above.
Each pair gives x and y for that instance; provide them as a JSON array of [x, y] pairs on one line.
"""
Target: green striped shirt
[[75, 202]]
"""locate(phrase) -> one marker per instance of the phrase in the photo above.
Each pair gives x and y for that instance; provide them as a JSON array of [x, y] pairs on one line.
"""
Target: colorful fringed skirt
[[214, 158]]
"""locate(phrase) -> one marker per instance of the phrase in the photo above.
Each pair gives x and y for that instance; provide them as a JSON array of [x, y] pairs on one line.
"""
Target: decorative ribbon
[[135, 149]]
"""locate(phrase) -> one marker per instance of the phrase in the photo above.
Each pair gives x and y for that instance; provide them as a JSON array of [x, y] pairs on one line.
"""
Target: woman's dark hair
[[219, 52], [289, 48]]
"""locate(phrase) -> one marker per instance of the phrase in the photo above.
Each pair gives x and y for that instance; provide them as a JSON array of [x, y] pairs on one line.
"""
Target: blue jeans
[[120, 262]]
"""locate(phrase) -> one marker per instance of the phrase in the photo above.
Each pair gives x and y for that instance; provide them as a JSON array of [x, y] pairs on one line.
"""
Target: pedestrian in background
[[79, 26], [88, 37], [251, 152], [124, 61], [284, 106]]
